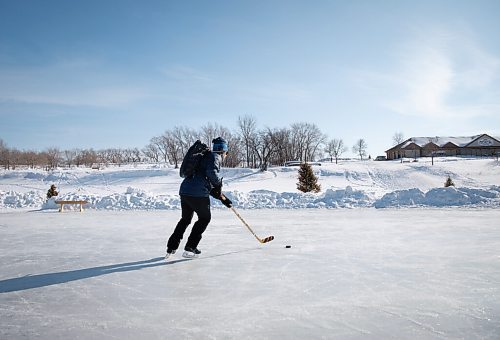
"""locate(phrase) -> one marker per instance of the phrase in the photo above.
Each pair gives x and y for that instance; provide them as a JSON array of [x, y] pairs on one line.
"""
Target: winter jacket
[[205, 178]]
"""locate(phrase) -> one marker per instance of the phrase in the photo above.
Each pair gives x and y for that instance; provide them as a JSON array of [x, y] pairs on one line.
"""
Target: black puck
[[288, 246]]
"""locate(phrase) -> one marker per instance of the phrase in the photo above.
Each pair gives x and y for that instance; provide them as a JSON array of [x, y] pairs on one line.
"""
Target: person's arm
[[212, 171]]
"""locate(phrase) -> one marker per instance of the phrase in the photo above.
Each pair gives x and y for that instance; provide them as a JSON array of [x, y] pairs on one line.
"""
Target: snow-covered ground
[[347, 184], [428, 269]]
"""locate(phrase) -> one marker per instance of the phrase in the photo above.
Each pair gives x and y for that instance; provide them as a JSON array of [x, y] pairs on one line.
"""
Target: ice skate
[[190, 253], [169, 253]]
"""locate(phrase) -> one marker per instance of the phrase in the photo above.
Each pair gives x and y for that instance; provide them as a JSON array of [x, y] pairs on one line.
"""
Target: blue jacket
[[205, 178]]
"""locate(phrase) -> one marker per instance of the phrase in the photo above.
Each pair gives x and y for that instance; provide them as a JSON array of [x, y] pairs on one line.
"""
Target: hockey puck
[[288, 246]]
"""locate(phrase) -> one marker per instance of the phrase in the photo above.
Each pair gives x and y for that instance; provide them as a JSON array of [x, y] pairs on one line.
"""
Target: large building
[[479, 145]]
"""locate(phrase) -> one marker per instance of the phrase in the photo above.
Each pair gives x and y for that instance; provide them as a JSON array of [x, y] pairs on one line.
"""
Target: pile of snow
[[440, 197], [135, 199], [344, 198], [257, 199], [12, 199], [349, 184], [132, 199]]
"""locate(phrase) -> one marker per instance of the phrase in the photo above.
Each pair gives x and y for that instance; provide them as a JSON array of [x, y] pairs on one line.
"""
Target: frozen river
[[349, 274]]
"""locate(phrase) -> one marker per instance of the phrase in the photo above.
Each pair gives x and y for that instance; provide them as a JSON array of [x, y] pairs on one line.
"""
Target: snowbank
[[135, 199], [440, 197], [348, 184], [132, 199], [12, 199]]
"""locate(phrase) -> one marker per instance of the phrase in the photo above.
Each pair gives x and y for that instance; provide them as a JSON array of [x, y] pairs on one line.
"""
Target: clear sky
[[115, 73]]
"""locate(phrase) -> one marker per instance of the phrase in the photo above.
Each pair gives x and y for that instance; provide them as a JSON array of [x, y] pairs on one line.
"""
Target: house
[[414, 147]]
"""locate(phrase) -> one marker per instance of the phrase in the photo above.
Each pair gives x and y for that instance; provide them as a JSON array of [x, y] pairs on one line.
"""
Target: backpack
[[192, 159]]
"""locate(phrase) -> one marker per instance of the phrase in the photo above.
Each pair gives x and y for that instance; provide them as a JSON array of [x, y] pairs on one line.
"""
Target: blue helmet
[[219, 145]]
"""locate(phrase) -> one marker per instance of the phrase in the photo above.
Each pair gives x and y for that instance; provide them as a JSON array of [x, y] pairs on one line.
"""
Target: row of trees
[[252, 147], [51, 158], [249, 146]]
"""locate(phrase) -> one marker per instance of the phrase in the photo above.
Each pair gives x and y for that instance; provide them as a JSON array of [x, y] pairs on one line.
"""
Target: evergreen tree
[[307, 180], [52, 191], [449, 183]]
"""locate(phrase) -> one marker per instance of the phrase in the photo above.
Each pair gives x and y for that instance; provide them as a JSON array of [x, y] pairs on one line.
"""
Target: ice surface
[[359, 273]]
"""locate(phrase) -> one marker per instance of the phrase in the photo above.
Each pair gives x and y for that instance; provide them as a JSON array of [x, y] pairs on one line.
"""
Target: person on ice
[[194, 192]]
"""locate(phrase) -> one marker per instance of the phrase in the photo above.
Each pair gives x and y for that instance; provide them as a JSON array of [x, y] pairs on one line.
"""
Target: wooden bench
[[62, 203]]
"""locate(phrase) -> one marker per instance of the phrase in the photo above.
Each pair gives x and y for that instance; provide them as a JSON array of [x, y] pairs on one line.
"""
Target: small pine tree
[[449, 183], [52, 191], [307, 180]]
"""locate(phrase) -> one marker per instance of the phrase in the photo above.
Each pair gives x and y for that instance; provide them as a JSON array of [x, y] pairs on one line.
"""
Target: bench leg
[[81, 207], [61, 209]]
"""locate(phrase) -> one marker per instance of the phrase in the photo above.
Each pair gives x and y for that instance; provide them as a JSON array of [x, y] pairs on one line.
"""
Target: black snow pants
[[189, 206]]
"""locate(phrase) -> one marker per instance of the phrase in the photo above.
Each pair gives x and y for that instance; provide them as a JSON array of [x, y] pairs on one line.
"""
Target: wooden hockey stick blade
[[267, 239]]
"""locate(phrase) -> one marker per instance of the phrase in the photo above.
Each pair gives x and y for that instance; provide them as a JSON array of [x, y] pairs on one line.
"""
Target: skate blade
[[189, 255], [169, 255]]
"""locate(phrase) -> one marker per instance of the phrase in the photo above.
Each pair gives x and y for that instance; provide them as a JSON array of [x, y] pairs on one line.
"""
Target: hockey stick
[[261, 240], [264, 240]]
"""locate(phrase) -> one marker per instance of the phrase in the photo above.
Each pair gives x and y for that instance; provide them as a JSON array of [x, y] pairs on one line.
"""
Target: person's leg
[[187, 216], [201, 205]]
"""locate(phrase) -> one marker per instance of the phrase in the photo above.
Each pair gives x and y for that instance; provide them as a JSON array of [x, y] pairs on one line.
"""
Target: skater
[[194, 192]]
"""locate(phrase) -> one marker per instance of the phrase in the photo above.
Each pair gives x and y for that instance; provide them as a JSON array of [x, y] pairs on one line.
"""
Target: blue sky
[[116, 73]]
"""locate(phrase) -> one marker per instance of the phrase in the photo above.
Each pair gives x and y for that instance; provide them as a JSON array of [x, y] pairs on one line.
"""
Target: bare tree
[[264, 145], [15, 157], [315, 139], [87, 157], [360, 148], [70, 156], [236, 153], [136, 155], [29, 158], [173, 148], [161, 146], [208, 132], [128, 155], [4, 155], [78, 158], [118, 156], [335, 148], [247, 125], [297, 141], [151, 152], [282, 148], [398, 138], [107, 156], [211, 131], [185, 137], [306, 141], [53, 157]]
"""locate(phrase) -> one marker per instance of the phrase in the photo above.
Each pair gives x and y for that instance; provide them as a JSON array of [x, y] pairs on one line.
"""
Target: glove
[[226, 201], [216, 192]]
